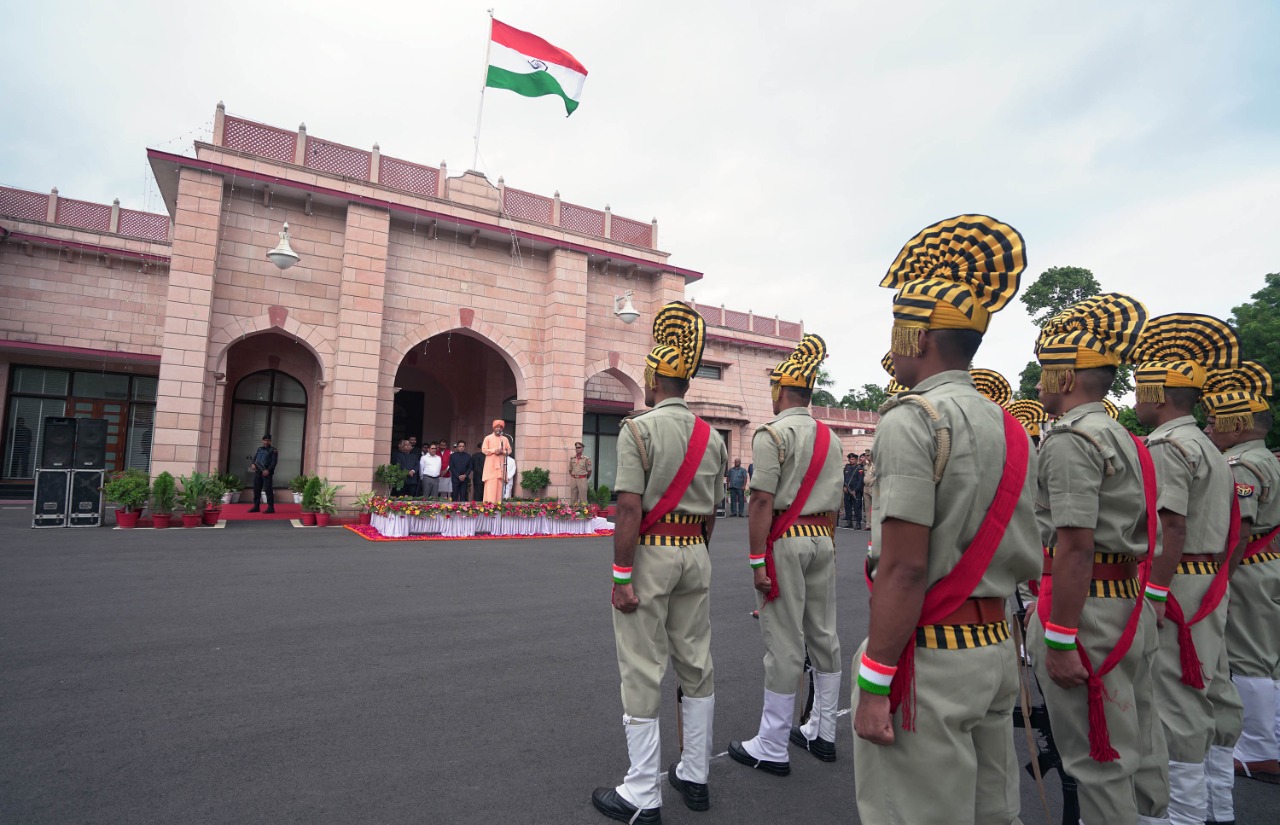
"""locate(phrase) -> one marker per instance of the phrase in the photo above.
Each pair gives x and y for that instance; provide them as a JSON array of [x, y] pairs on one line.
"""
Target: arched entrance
[[449, 388], [608, 397]]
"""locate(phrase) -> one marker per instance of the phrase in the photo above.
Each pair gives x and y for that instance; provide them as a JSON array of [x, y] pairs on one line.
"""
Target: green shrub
[[194, 492], [299, 483], [532, 481], [390, 475], [130, 489], [326, 499], [163, 494], [600, 496], [311, 493]]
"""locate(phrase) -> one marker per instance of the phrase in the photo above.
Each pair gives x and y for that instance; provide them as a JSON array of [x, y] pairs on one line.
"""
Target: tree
[[1027, 381], [1258, 323], [1129, 419], [822, 397], [870, 398]]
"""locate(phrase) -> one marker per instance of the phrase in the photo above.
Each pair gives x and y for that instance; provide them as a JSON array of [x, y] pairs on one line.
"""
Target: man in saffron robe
[[496, 448]]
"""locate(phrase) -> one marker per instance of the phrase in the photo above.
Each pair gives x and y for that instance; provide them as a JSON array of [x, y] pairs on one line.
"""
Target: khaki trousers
[[803, 614], [577, 489], [1188, 713], [1111, 793], [959, 767], [1253, 625], [673, 619], [1228, 710]]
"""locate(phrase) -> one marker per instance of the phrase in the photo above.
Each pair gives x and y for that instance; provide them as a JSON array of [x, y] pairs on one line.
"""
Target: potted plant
[[535, 481], [309, 495], [326, 503], [296, 486], [162, 500], [601, 497], [390, 475], [191, 499], [363, 505], [130, 489], [214, 490], [232, 483]]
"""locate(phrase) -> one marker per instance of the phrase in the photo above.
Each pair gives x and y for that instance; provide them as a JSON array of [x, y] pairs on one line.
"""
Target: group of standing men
[[1134, 549], [859, 480], [439, 471]]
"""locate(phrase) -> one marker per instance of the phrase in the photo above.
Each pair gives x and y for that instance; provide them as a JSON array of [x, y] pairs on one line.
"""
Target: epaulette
[[1238, 461], [777, 441], [941, 434], [630, 424], [1177, 445], [1107, 454]]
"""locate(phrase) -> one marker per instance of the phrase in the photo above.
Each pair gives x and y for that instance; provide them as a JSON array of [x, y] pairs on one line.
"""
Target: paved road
[[264, 674]]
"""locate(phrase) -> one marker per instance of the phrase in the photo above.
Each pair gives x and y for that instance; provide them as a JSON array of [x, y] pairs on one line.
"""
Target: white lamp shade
[[283, 255]]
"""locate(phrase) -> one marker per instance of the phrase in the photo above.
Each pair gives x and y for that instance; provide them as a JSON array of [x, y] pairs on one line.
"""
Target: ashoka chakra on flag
[[530, 66]]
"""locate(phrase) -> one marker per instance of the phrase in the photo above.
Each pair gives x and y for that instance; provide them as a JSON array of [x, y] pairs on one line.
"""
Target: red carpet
[[240, 512], [366, 531]]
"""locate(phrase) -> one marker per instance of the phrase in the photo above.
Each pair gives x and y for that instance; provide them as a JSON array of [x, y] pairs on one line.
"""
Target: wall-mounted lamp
[[283, 255], [623, 308]]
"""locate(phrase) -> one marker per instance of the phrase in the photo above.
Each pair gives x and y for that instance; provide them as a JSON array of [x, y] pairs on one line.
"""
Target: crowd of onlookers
[[439, 469]]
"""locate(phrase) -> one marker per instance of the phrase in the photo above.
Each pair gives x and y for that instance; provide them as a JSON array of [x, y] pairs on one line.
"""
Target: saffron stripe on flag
[[534, 46]]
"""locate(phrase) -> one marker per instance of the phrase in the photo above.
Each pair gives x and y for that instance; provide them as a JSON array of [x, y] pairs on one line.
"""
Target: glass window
[[264, 403], [710, 371], [25, 433], [288, 390], [141, 427], [144, 387], [40, 381], [256, 387], [102, 385]]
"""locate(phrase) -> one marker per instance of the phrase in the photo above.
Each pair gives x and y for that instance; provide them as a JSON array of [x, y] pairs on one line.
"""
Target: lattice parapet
[[714, 316], [740, 321], [259, 139], [408, 177], [581, 219], [143, 225], [19, 203], [625, 230], [338, 159], [527, 206], [764, 326], [84, 215], [790, 329]]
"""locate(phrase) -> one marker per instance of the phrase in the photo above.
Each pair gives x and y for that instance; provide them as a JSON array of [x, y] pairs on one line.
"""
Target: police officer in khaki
[[796, 490], [579, 472], [670, 466], [1239, 419], [1188, 579], [937, 676], [1093, 518]]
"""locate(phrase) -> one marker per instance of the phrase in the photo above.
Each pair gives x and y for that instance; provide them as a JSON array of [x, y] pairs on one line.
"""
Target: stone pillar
[[181, 430], [350, 451], [552, 420]]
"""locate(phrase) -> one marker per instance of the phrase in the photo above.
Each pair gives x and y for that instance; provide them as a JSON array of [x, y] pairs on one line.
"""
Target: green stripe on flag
[[535, 84]]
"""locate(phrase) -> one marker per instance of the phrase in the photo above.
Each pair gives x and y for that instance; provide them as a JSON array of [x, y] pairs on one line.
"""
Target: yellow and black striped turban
[[1232, 396], [1101, 331], [680, 335], [953, 275], [894, 387], [1179, 349], [1111, 408], [801, 367], [1030, 414], [993, 385]]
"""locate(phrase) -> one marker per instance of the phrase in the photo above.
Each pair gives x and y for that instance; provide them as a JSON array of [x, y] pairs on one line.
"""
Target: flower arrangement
[[548, 508]]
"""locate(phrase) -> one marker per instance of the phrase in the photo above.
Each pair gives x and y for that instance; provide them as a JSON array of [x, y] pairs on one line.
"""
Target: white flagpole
[[484, 81]]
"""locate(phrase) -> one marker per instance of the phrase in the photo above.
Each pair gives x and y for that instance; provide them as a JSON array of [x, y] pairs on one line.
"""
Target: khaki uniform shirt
[[953, 509], [1265, 514], [579, 467], [665, 431], [1075, 490], [781, 475], [1193, 480]]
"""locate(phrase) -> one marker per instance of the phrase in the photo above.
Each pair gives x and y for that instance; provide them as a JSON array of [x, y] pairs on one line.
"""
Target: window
[[711, 371], [600, 443], [273, 402]]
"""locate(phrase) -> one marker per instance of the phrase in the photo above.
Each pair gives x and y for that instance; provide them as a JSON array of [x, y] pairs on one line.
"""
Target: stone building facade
[[423, 304]]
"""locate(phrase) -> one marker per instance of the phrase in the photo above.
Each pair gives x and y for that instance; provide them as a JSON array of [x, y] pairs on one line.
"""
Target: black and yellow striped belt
[[1260, 558], [961, 636], [1115, 575], [1198, 564], [674, 530], [816, 524]]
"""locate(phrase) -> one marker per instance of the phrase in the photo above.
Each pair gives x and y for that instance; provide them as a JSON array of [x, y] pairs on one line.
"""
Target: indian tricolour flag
[[530, 66]]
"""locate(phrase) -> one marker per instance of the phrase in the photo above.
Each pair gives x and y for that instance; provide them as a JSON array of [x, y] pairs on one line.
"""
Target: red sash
[[1100, 749], [684, 476], [1256, 546], [1192, 671], [782, 521], [949, 592]]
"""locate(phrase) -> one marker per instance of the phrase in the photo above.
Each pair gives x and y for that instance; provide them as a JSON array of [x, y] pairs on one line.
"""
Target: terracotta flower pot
[[191, 519], [322, 519], [211, 516], [160, 520], [127, 520], [363, 518], [308, 519]]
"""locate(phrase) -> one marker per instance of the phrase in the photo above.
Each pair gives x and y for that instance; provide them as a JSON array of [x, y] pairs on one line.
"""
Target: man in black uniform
[[264, 471], [850, 511]]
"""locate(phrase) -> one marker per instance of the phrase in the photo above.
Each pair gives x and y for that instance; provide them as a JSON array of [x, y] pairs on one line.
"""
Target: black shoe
[[609, 803], [695, 794], [1217, 822], [254, 509], [270, 510], [739, 754], [819, 747]]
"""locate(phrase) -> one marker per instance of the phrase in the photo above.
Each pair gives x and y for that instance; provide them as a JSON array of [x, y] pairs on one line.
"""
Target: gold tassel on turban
[[1030, 414], [894, 387], [1178, 350], [953, 275], [1232, 396], [801, 367], [1101, 331], [680, 335], [993, 385]]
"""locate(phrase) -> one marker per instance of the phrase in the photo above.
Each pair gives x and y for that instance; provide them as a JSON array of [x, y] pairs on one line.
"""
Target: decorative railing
[[750, 322], [860, 417], [274, 143], [96, 217]]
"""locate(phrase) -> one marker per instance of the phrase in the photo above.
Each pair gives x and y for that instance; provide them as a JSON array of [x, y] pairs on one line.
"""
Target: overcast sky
[[787, 150]]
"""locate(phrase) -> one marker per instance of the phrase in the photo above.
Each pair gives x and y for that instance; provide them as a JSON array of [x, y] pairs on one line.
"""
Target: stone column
[[350, 452], [182, 432]]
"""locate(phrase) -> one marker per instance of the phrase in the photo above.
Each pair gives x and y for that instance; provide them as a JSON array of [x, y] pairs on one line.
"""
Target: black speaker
[[91, 444], [84, 504], [58, 447], [50, 508]]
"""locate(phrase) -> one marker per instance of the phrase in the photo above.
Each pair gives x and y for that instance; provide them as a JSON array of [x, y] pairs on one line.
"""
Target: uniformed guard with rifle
[[263, 467]]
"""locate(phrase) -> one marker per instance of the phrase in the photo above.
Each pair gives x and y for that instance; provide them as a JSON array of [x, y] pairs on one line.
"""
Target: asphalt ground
[[266, 674]]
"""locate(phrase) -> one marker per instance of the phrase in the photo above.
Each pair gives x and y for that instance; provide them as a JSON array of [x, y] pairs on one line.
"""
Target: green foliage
[[311, 493], [194, 492], [870, 398], [390, 475], [130, 489], [231, 482], [163, 494], [1027, 381], [600, 496], [298, 483], [1258, 323], [1129, 419], [1057, 288], [534, 480], [326, 497], [214, 490], [822, 398], [364, 501]]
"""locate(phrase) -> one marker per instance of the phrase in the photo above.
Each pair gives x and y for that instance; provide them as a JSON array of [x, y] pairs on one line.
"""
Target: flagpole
[[484, 82]]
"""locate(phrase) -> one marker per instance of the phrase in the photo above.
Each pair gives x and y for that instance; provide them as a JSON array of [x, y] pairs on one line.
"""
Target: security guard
[[1239, 419], [264, 463], [1095, 519], [670, 466], [937, 675], [1188, 580], [579, 472], [796, 492]]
